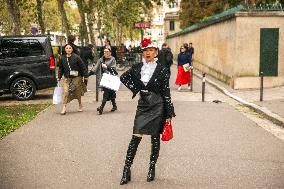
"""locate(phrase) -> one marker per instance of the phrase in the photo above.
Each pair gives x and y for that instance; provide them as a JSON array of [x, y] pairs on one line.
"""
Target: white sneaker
[[179, 88], [189, 87], [88, 90]]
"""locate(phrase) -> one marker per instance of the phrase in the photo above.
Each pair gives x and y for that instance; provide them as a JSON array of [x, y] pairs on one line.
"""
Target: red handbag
[[167, 131]]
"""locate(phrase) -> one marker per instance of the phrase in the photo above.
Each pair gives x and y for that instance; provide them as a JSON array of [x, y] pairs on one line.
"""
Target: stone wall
[[246, 67], [230, 49]]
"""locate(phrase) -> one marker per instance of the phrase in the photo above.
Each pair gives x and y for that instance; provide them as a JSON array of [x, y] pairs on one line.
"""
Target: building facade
[[164, 21]]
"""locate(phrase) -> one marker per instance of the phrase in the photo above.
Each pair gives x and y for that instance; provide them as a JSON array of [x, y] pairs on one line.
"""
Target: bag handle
[[58, 84]]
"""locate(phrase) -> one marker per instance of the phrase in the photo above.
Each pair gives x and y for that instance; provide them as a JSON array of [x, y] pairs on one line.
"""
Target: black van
[[27, 64]]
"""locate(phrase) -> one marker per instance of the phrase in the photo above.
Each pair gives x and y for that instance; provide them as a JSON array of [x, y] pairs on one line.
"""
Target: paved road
[[214, 146]]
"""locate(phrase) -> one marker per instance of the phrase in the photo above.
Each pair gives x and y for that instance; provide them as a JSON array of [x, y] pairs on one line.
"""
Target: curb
[[275, 118]]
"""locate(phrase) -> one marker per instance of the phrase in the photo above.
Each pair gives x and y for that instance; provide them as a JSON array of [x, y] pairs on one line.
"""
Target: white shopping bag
[[57, 95], [110, 81]]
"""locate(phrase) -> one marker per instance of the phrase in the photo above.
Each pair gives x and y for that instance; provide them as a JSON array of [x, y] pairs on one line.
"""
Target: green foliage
[[28, 15], [13, 117], [114, 18], [193, 11], [51, 15], [4, 23]]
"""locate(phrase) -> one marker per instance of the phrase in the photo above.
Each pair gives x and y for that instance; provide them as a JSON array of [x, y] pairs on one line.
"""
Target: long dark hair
[[63, 48]]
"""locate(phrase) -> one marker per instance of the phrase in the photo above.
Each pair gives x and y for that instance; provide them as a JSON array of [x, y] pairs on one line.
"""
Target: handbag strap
[[68, 63]]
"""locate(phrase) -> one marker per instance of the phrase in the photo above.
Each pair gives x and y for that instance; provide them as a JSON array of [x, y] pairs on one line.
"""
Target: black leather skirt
[[149, 114]]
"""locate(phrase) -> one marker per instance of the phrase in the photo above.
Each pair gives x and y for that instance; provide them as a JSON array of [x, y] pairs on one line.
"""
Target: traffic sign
[[142, 25]]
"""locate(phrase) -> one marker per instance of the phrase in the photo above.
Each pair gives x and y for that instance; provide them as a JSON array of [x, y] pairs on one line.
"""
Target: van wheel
[[23, 88]]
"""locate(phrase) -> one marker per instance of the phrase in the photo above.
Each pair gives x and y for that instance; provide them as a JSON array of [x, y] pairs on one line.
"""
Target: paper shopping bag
[[110, 81], [57, 95]]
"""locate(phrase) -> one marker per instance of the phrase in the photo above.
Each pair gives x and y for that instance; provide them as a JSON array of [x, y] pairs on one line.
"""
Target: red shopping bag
[[167, 131]]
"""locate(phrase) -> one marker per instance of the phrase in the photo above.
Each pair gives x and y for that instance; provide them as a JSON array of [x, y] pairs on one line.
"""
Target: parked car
[[26, 65]]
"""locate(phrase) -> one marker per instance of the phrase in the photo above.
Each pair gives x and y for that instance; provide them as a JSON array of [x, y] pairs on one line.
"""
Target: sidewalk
[[214, 146], [272, 105]]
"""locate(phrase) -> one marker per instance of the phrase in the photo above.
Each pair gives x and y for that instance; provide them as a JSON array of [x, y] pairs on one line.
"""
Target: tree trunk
[[83, 27], [120, 34], [93, 41], [91, 19], [131, 36], [99, 26], [65, 22], [117, 33], [100, 31], [39, 15], [14, 14]]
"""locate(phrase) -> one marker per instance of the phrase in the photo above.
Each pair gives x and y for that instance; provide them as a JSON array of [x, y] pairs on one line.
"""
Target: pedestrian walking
[[191, 51], [129, 49], [70, 40], [112, 49], [151, 80], [191, 54], [106, 64], [165, 56], [121, 55], [185, 45], [87, 55], [184, 63], [75, 73]]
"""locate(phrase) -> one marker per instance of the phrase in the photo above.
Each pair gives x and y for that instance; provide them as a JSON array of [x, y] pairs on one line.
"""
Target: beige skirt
[[79, 91]]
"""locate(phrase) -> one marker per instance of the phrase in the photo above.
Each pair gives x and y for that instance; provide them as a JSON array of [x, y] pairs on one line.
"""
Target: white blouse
[[147, 71]]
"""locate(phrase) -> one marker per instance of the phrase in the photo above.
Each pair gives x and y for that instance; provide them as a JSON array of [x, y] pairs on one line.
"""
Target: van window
[[35, 48], [12, 48]]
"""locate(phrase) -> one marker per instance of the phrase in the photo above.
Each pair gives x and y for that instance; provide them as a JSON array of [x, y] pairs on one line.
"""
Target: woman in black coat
[[74, 71], [151, 80]]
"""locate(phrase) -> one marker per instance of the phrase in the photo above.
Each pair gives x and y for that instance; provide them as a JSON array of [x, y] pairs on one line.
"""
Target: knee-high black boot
[[131, 152], [114, 106], [101, 108], [155, 140]]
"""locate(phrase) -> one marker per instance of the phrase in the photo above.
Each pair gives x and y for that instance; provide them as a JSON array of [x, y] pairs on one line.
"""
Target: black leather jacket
[[159, 83]]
